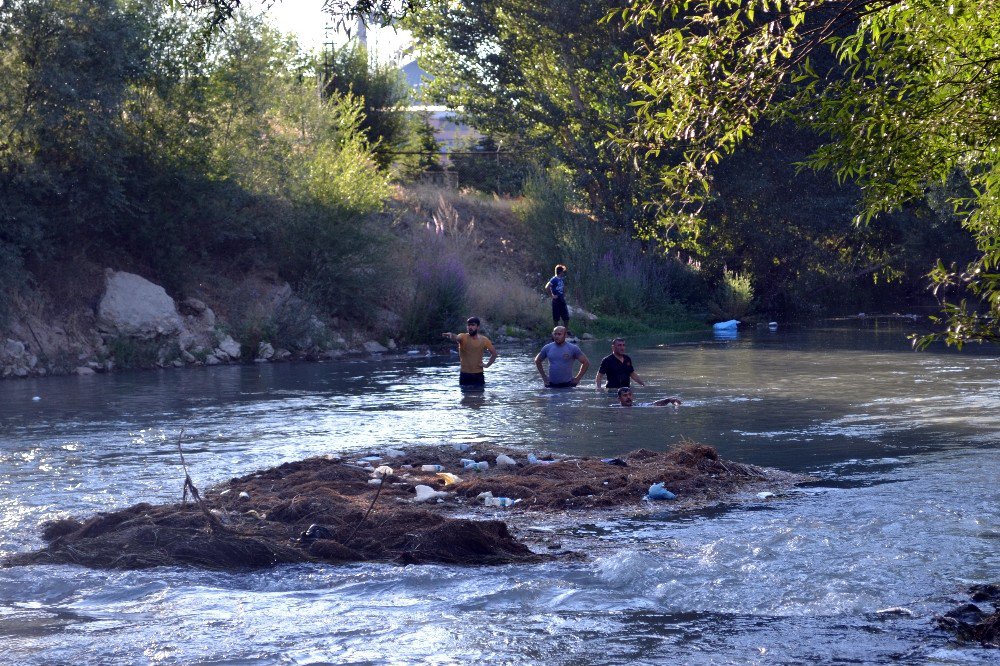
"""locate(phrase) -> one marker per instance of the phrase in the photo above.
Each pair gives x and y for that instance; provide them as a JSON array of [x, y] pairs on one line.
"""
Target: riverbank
[[425, 505], [435, 256]]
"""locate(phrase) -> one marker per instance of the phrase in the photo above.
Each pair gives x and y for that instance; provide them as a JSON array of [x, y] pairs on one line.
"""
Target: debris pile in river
[[971, 623], [325, 509]]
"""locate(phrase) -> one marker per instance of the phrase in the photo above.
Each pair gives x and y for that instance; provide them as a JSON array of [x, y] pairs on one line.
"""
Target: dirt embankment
[[352, 510]]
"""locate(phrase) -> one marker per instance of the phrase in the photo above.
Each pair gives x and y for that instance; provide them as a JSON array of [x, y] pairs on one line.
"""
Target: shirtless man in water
[[625, 399]]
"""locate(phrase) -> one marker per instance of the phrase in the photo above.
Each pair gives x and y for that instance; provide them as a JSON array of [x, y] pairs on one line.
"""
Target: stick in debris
[[213, 521], [370, 507]]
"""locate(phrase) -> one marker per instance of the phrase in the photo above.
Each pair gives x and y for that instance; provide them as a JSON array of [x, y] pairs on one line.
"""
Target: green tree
[[383, 93], [423, 151], [907, 110], [544, 72], [65, 71]]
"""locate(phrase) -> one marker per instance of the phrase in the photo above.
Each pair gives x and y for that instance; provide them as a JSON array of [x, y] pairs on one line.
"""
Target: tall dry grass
[[454, 268]]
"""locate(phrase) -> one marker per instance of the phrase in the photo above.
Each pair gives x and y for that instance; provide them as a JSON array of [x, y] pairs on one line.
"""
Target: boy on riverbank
[[556, 289]]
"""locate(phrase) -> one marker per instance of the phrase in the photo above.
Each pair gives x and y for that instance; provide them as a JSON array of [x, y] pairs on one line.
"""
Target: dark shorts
[[559, 310], [562, 385], [471, 379]]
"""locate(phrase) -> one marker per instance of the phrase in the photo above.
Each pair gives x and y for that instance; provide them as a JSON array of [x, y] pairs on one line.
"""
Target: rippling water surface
[[851, 569]]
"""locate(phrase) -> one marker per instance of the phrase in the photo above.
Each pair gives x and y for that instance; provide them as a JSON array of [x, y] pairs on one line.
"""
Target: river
[[849, 569]]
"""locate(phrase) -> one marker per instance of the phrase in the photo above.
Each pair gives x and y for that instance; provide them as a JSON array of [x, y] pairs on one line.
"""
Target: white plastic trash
[[426, 493], [431, 468], [382, 471], [505, 461], [658, 492], [726, 325]]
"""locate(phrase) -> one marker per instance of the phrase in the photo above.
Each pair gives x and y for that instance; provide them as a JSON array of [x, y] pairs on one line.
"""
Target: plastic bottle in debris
[[500, 501], [475, 466], [431, 468]]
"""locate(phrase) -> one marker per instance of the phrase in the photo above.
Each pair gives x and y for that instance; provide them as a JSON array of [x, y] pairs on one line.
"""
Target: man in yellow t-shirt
[[470, 352]]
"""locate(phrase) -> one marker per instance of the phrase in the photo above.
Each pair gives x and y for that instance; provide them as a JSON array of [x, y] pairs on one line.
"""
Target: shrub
[[439, 298], [487, 168], [133, 353], [733, 297]]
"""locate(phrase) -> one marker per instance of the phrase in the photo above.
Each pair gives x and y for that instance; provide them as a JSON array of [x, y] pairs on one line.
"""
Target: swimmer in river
[[625, 399]]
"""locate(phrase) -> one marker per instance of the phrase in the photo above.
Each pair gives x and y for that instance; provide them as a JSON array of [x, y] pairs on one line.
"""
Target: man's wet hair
[[472, 320], [623, 390], [617, 340], [560, 268]]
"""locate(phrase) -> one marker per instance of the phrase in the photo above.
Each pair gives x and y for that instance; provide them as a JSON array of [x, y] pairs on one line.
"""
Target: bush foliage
[[130, 137]]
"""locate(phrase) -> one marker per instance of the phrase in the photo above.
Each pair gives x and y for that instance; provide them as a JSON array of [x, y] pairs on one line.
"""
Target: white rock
[[192, 306], [13, 348], [84, 370], [265, 350], [580, 313], [230, 346], [373, 347], [505, 461], [134, 306]]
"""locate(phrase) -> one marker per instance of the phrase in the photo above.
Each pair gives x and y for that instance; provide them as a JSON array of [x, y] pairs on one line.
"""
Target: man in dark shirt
[[617, 366]]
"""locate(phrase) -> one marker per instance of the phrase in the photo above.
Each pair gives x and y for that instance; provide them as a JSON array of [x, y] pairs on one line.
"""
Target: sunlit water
[[851, 569]]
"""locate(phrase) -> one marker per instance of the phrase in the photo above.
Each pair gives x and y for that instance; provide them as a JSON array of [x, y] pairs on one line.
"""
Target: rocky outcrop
[[16, 360], [132, 306], [137, 324]]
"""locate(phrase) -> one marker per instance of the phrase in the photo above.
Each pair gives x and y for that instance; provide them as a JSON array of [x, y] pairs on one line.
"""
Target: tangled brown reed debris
[[317, 510]]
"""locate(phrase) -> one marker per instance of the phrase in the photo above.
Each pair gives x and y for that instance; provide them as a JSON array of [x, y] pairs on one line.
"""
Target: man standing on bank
[[556, 288], [562, 357], [470, 353], [617, 366]]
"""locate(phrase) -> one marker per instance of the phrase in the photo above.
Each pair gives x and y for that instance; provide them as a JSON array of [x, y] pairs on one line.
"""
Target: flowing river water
[[849, 569]]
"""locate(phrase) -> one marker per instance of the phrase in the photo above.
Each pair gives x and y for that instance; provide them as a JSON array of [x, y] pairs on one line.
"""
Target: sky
[[306, 19]]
